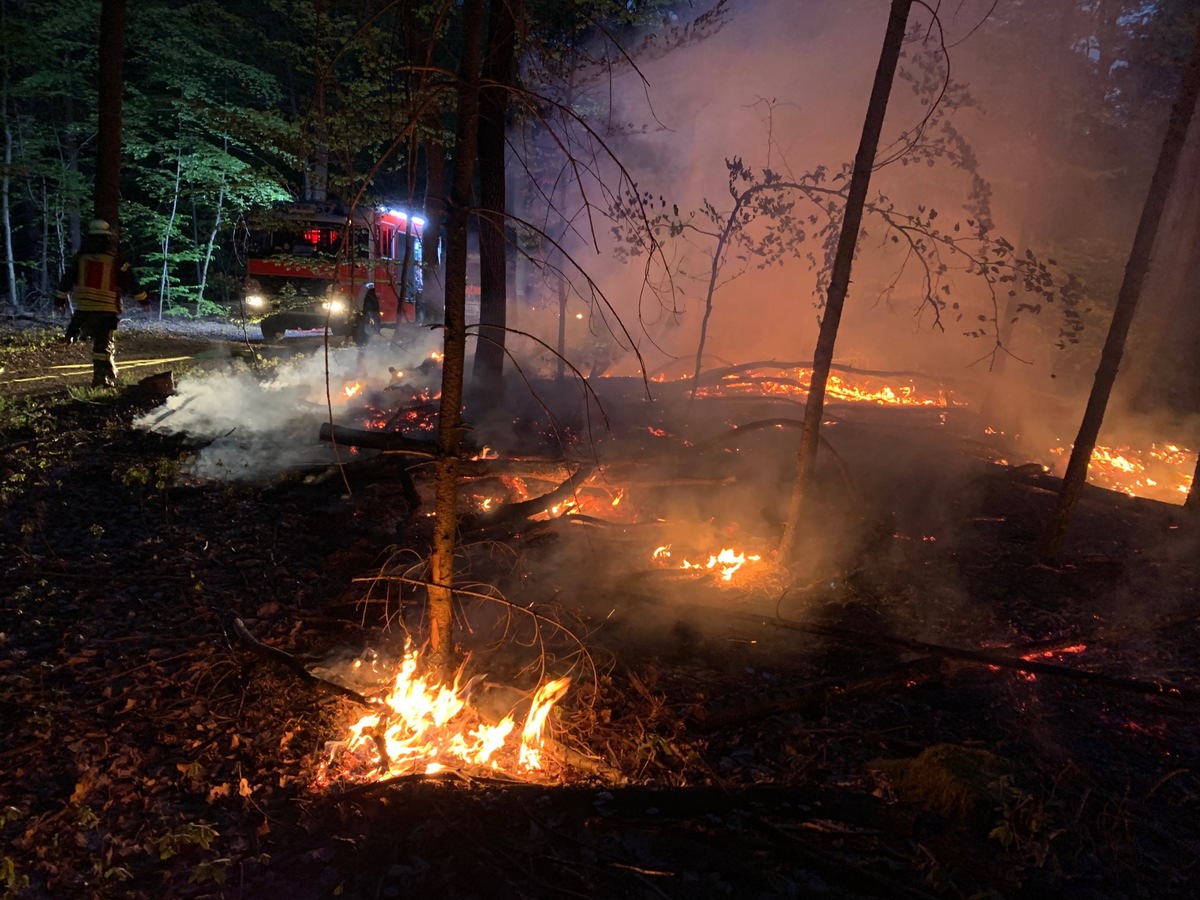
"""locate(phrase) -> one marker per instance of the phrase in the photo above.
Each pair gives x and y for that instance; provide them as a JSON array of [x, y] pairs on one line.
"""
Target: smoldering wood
[[511, 512], [980, 657], [377, 440]]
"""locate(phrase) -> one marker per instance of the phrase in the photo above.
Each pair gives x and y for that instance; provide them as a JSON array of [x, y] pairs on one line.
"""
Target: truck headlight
[[334, 307], [256, 301]]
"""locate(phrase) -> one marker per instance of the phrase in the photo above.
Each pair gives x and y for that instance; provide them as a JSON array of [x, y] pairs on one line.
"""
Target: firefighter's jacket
[[98, 282]]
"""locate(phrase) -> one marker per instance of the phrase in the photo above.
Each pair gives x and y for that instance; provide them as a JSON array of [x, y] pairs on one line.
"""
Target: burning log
[[524, 509], [716, 375]]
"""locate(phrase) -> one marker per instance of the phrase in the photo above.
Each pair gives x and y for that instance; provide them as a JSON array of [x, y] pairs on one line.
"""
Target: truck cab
[[320, 267]]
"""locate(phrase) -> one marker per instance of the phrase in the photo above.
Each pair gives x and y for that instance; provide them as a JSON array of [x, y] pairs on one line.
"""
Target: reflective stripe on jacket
[[97, 283]]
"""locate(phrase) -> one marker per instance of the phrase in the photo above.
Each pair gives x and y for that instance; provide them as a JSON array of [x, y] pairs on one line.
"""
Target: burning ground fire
[[724, 564], [1162, 472], [798, 381], [423, 727]]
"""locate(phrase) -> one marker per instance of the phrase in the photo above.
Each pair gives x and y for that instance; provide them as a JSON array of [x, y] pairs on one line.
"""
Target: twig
[[290, 662]]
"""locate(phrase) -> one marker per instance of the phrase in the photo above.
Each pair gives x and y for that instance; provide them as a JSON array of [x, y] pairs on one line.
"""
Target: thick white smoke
[[254, 425]]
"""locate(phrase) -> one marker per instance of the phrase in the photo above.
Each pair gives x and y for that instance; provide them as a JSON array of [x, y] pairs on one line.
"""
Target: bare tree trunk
[[107, 191], [212, 241], [445, 523], [1127, 301], [1192, 503], [563, 294], [164, 284], [434, 281], [839, 283], [5, 212], [499, 70]]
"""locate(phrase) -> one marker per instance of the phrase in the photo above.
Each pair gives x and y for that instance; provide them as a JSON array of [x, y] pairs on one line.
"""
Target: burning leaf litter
[[723, 564], [423, 727]]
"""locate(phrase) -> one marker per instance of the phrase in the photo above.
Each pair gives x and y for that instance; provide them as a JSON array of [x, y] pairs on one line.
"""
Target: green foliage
[[25, 415], [1022, 826], [96, 395], [158, 475], [189, 834], [10, 878]]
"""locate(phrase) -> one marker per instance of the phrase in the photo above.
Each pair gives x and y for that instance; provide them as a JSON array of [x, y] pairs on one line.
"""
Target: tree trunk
[[441, 561], [5, 212], [434, 281], [499, 70], [107, 191], [1127, 301], [212, 242], [839, 283], [561, 346], [164, 284]]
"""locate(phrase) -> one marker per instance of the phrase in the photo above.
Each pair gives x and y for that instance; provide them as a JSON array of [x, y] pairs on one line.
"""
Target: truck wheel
[[271, 331], [370, 322]]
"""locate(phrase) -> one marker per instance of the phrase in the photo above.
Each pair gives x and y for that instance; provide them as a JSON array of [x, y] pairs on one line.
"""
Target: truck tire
[[369, 322], [271, 331]]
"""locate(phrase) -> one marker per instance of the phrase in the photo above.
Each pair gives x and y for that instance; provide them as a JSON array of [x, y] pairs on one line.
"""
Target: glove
[[142, 298], [60, 301]]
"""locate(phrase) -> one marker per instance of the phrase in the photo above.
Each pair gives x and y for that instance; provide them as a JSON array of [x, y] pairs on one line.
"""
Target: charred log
[[814, 698], [525, 509], [983, 657], [377, 440], [282, 658]]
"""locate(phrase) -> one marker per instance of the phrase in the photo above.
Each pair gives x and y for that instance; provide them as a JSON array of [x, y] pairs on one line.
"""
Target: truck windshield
[[306, 239]]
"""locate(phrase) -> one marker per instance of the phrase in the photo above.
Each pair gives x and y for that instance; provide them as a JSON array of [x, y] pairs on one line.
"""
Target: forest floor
[[917, 709]]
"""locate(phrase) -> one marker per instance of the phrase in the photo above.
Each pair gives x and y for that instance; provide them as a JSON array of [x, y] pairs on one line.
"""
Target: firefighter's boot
[[103, 374], [104, 360]]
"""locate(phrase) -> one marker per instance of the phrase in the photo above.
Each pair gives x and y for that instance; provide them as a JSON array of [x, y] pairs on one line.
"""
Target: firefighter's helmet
[[99, 226]]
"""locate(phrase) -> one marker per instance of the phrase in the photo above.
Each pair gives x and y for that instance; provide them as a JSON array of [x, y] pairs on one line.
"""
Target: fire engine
[[317, 267]]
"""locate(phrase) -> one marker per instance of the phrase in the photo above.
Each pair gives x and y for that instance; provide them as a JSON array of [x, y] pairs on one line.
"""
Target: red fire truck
[[315, 266]]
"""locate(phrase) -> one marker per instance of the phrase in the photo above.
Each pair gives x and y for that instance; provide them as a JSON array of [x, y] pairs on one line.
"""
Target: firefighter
[[98, 279]]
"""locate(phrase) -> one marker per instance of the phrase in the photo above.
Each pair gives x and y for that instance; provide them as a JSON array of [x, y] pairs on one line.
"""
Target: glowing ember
[[1163, 472], [1051, 654], [424, 727], [725, 563]]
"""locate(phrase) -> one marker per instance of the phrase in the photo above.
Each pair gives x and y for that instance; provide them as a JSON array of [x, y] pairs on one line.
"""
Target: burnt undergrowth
[[770, 737]]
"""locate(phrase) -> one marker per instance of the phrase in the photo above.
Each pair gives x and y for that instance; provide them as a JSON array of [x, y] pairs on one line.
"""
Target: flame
[[1161, 472], [867, 389], [726, 563], [352, 389], [424, 727]]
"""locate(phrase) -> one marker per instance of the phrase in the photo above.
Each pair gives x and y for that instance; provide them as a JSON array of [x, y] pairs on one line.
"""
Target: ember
[[424, 727]]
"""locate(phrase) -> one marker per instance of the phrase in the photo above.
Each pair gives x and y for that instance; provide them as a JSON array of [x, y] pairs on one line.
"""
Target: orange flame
[[424, 726], [864, 390], [1162, 472], [726, 563]]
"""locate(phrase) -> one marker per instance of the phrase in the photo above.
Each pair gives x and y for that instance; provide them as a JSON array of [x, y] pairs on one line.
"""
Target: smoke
[[254, 425], [784, 86]]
